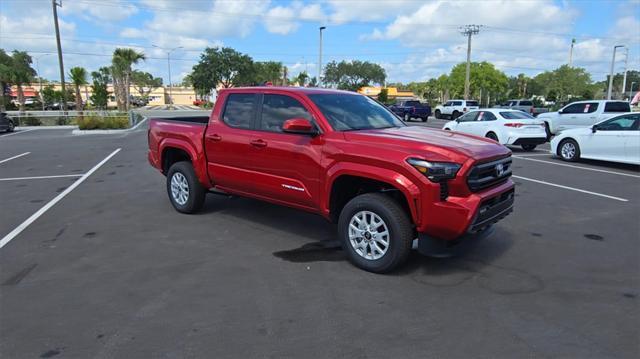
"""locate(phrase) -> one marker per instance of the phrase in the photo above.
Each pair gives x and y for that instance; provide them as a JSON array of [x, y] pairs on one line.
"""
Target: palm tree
[[21, 72], [123, 59], [6, 65], [78, 76]]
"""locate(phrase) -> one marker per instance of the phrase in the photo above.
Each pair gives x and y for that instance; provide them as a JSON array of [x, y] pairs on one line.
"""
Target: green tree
[[484, 78], [145, 83], [78, 76], [268, 71], [301, 79], [566, 82], [313, 82], [121, 63], [353, 75], [6, 65], [21, 73], [222, 66], [99, 89], [383, 96]]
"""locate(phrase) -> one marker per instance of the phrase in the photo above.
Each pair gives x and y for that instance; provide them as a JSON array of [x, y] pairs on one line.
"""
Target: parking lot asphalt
[[111, 270]]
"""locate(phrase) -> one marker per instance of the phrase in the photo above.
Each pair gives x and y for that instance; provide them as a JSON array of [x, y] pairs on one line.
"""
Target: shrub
[[31, 121], [103, 123]]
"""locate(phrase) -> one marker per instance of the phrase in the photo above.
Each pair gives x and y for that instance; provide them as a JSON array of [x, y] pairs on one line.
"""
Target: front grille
[[485, 175]]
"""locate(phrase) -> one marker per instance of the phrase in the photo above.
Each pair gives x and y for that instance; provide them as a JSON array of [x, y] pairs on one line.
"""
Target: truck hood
[[434, 144]]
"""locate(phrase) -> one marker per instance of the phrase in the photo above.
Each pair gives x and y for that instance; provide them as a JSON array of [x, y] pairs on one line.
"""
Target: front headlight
[[435, 171]]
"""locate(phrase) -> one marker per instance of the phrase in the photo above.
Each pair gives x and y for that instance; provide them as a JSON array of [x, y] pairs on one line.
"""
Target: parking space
[[111, 270]]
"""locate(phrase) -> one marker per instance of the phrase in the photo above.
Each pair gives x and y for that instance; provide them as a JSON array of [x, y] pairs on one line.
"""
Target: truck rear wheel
[[185, 191], [455, 115], [376, 232]]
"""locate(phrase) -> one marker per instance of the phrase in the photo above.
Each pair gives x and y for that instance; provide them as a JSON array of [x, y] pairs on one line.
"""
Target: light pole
[[320, 58], [169, 69], [613, 60], [624, 78], [40, 78]]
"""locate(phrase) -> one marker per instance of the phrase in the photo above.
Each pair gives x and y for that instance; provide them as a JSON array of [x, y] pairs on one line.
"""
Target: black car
[[6, 123]]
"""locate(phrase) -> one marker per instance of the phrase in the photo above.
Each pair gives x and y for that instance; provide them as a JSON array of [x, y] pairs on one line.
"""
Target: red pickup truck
[[345, 157]]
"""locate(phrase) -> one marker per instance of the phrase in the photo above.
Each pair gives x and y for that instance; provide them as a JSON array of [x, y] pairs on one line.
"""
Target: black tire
[[437, 114], [407, 118], [195, 192], [424, 119], [455, 115], [398, 225], [10, 126], [492, 136], [529, 147], [566, 156], [447, 129]]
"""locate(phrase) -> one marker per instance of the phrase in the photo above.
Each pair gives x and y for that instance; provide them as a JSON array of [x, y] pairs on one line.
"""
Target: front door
[[609, 140], [286, 165]]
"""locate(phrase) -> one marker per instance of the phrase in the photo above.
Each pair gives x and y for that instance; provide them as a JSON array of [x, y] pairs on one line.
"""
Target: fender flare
[[198, 162], [405, 185]]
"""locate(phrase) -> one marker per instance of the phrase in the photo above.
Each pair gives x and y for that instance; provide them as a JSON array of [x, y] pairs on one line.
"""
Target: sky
[[412, 40]]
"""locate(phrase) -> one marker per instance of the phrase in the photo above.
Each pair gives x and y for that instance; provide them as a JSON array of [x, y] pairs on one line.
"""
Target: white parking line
[[6, 239], [572, 188], [532, 155], [14, 157], [38, 177], [19, 132], [579, 167]]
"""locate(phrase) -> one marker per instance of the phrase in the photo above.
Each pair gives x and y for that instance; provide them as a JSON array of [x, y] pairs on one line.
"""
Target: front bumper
[[488, 210]]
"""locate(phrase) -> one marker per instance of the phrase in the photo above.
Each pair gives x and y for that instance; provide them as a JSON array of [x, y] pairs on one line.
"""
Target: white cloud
[[376, 10], [106, 10], [133, 33], [283, 20]]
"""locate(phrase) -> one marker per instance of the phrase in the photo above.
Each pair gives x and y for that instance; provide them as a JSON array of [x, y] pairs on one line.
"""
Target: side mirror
[[560, 112], [300, 126], [594, 128]]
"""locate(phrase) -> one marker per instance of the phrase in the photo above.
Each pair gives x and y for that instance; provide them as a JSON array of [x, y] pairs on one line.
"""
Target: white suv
[[454, 108], [582, 114]]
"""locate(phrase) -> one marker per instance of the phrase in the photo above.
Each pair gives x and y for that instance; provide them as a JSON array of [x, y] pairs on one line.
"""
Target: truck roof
[[291, 89]]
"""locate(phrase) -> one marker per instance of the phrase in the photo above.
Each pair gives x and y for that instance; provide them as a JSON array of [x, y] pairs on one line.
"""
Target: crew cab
[[411, 109], [524, 106], [582, 114], [345, 157], [455, 108]]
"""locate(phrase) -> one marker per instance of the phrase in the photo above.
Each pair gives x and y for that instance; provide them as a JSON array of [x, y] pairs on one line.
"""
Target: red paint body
[[299, 170]]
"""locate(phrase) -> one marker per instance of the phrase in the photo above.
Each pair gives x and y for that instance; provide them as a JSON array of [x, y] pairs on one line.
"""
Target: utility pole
[[573, 42], [55, 5], [168, 70], [468, 30], [320, 58], [624, 78], [613, 61]]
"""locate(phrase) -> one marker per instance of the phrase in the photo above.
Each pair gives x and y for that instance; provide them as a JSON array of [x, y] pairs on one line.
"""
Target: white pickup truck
[[582, 114], [455, 108]]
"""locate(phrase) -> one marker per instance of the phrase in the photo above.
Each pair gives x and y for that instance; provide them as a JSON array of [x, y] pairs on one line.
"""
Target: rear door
[[614, 108], [285, 166], [227, 142]]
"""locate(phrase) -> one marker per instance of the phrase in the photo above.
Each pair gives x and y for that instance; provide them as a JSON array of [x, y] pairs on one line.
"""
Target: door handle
[[214, 138], [258, 143]]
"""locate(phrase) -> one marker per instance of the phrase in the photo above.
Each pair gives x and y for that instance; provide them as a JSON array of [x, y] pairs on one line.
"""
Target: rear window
[[618, 106], [412, 103], [516, 115], [472, 103], [239, 110], [526, 103]]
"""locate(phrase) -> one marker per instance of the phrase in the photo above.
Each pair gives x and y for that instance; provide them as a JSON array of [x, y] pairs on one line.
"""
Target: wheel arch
[[172, 151]]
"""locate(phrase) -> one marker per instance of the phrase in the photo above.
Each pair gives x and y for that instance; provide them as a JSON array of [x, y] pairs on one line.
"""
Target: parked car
[[411, 109], [508, 127], [616, 139], [524, 106], [58, 106], [454, 108], [6, 123], [582, 114], [344, 156]]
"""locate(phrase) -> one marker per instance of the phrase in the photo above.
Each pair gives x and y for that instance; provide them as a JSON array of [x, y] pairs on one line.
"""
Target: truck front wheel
[[185, 191], [437, 114], [376, 232]]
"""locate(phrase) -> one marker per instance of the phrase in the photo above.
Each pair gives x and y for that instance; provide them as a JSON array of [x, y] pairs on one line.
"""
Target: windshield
[[354, 112], [516, 115]]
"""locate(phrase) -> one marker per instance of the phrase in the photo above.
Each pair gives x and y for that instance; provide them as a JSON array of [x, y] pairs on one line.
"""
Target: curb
[[106, 132], [62, 127]]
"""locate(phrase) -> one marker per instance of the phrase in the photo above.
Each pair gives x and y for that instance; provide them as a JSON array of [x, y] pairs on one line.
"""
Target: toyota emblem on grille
[[499, 169]]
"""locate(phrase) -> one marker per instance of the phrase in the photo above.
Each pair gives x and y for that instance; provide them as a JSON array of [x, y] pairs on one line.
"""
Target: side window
[[457, 103], [487, 116], [448, 103], [526, 103], [278, 108], [622, 123], [590, 107], [574, 108], [471, 116], [239, 111]]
